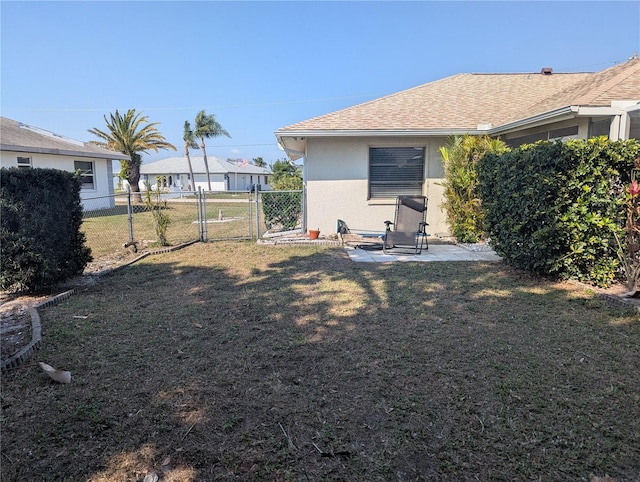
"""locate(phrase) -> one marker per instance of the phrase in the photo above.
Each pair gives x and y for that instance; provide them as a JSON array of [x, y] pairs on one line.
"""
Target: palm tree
[[259, 162], [206, 127], [129, 134], [189, 142]]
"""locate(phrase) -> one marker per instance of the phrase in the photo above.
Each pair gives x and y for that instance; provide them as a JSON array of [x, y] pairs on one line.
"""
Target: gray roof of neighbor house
[[462, 102], [18, 137], [179, 165]]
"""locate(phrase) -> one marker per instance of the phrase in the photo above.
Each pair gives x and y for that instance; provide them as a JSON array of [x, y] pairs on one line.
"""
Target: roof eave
[[293, 142], [63, 152], [562, 113], [304, 133]]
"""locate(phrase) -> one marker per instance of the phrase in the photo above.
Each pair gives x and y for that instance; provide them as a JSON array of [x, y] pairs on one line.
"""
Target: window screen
[[395, 171], [562, 134], [600, 128], [86, 173]]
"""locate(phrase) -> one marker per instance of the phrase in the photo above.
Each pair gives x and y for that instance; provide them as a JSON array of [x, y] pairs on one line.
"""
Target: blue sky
[[259, 66]]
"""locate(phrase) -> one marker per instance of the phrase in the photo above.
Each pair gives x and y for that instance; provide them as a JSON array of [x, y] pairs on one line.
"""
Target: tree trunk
[[133, 176], [192, 186], [206, 164]]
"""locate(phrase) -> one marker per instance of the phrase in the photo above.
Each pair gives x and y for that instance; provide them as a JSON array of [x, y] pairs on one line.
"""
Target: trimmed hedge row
[[553, 207], [40, 239]]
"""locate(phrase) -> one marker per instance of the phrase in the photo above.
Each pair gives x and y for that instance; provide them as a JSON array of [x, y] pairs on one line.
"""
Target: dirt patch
[[15, 331]]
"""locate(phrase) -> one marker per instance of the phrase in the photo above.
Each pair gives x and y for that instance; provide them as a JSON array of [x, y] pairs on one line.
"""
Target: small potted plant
[[314, 233]]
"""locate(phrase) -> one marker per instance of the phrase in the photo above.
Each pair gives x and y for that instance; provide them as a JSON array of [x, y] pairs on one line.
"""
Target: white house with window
[[25, 147], [359, 159], [226, 175]]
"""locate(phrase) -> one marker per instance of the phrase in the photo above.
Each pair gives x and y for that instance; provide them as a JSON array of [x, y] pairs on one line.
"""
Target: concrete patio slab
[[436, 252]]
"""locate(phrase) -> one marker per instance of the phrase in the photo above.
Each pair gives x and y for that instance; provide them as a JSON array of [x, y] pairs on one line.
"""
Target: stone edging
[[622, 302], [25, 352], [28, 350], [299, 242]]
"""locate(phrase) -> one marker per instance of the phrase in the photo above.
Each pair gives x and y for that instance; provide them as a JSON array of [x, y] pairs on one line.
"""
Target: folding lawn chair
[[409, 233]]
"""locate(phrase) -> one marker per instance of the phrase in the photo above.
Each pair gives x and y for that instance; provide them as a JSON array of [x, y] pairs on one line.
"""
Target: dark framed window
[[395, 171], [85, 169], [24, 162]]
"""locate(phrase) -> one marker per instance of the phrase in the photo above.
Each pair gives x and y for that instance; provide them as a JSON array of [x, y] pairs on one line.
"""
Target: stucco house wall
[[102, 184], [224, 175], [45, 149], [330, 199]]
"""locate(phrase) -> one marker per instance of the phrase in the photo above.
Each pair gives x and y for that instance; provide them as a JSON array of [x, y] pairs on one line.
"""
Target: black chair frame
[[409, 233]]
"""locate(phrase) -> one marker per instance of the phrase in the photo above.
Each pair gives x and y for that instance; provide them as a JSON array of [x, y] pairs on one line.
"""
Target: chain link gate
[[250, 215]]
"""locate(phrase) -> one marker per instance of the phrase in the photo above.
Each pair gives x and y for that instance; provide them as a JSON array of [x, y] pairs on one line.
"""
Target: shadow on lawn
[[297, 364]]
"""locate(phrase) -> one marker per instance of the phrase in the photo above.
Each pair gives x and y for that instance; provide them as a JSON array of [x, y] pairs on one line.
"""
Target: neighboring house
[[173, 173], [25, 147], [357, 160]]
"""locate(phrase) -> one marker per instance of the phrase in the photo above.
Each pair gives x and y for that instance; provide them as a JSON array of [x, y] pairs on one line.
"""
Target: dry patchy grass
[[232, 361]]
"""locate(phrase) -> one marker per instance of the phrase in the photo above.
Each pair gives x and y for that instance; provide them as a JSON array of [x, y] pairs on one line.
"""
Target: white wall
[[103, 184], [239, 182], [337, 184]]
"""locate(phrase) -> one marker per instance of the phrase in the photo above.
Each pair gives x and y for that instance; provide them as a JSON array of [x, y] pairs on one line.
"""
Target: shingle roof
[[620, 82], [180, 165], [18, 137], [464, 101]]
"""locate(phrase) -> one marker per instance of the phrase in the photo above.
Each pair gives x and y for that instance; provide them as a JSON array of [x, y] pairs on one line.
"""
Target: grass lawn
[[107, 230], [233, 361]]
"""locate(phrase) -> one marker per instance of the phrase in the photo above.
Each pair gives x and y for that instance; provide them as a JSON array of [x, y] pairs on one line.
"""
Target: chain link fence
[[122, 221]]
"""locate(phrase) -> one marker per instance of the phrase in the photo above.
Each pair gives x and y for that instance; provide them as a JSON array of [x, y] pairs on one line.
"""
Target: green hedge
[[40, 218], [552, 207]]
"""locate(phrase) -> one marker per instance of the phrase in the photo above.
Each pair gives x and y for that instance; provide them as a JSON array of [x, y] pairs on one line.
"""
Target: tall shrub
[[462, 202], [40, 238], [554, 208]]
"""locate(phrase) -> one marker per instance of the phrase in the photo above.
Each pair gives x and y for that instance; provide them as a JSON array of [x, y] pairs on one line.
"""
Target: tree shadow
[[225, 362]]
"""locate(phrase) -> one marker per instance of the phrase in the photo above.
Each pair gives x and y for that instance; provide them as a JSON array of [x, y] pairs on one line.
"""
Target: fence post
[[205, 229], [130, 216], [257, 211], [199, 206], [250, 204]]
